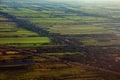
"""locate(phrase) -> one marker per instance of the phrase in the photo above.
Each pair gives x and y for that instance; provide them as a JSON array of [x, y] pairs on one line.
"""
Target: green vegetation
[[100, 42], [52, 69], [74, 33], [13, 31], [2, 18], [61, 54], [24, 40], [12, 35], [51, 21], [78, 29]]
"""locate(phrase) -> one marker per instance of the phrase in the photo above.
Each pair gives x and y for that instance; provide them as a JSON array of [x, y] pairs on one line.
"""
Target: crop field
[[13, 30], [66, 40], [15, 36], [52, 69], [78, 29], [24, 40], [48, 19], [101, 42], [51, 20], [61, 54], [2, 18], [19, 33]]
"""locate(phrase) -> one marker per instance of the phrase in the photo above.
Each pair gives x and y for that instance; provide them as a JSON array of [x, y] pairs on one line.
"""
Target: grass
[[2, 18], [50, 20], [17, 32], [60, 54], [86, 18], [7, 24], [77, 29], [19, 37], [100, 42], [13, 30], [25, 40], [48, 17]]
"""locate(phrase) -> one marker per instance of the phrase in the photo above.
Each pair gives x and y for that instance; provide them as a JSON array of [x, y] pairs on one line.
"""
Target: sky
[[87, 0], [72, 1]]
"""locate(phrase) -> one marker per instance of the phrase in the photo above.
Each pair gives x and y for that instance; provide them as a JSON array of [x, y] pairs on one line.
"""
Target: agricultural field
[[51, 19], [67, 40], [12, 35], [53, 69], [78, 29], [3, 18], [25, 42], [101, 42], [14, 31]]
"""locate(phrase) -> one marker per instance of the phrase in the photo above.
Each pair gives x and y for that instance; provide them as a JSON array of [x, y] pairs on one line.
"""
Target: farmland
[[67, 40], [78, 29], [28, 42], [25, 40], [12, 35], [52, 69]]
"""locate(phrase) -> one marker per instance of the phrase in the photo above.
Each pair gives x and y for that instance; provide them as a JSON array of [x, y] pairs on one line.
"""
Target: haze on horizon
[[68, 0], [77, 2]]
